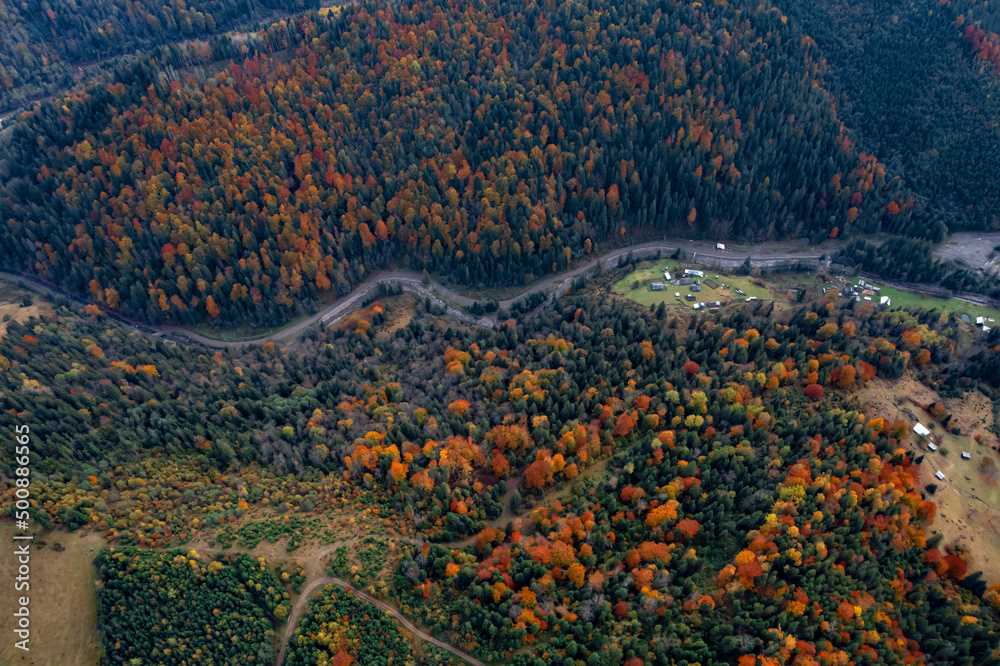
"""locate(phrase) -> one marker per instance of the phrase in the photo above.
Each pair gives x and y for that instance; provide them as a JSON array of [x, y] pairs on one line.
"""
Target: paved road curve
[[699, 253]]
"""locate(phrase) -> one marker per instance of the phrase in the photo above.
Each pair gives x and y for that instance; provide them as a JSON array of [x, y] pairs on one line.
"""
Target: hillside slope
[[491, 142]]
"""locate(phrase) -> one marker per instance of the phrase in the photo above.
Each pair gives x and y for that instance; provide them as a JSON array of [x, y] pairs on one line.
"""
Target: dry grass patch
[[63, 600], [968, 501], [12, 308]]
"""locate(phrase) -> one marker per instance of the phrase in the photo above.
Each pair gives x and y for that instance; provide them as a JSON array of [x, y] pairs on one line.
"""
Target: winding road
[[701, 253]]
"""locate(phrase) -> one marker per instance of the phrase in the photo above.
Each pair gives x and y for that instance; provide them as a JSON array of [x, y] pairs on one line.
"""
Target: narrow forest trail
[[315, 563], [699, 253], [302, 604]]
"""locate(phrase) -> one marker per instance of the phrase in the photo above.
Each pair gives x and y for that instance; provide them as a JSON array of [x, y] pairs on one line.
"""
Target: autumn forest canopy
[[728, 501], [489, 142], [587, 482]]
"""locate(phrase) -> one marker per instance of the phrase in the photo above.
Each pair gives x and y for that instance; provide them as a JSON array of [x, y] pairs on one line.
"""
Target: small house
[[656, 286], [868, 298], [694, 273], [677, 294], [751, 298], [720, 247], [885, 300], [932, 446], [696, 287], [939, 475], [966, 455], [921, 430], [715, 304], [697, 306], [689, 297], [666, 275], [980, 320], [684, 281]]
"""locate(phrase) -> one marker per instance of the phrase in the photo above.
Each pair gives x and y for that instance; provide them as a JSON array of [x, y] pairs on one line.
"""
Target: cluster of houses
[[710, 305], [686, 281], [921, 430], [865, 291], [692, 279]]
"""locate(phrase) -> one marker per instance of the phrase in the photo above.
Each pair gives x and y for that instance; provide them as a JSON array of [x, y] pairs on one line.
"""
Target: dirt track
[[302, 603]]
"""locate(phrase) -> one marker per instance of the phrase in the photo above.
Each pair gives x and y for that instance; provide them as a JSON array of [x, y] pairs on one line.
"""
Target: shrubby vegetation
[[178, 608], [339, 629]]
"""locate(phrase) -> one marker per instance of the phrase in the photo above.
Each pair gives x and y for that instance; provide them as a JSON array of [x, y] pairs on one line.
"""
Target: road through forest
[[410, 281]]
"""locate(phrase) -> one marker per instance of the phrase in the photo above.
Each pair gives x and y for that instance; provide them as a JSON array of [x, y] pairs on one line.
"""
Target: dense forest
[[42, 43], [174, 608], [909, 78], [746, 509], [341, 629], [491, 142]]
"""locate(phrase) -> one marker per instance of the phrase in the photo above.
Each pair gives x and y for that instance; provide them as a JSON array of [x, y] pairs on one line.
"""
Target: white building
[[939, 475], [980, 320], [966, 455], [666, 275], [921, 430], [932, 446], [721, 247], [689, 271], [885, 300]]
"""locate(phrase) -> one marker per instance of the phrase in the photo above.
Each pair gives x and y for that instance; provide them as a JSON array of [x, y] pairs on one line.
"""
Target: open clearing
[[974, 248], [63, 601], [652, 271], [13, 309], [908, 299], [899, 299], [968, 504]]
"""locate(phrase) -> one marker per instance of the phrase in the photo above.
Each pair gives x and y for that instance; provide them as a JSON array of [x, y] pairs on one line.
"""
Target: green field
[[650, 272], [653, 272], [908, 299]]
